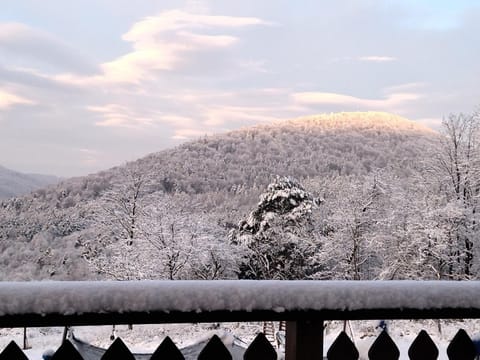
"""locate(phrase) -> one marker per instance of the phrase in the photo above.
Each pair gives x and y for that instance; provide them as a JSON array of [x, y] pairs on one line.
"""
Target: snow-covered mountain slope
[[210, 181], [14, 183], [342, 144]]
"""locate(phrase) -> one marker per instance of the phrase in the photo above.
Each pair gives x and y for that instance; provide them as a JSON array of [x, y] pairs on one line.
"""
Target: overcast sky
[[86, 85]]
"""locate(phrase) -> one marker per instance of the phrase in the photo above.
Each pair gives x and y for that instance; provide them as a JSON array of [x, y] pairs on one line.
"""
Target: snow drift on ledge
[[69, 297]]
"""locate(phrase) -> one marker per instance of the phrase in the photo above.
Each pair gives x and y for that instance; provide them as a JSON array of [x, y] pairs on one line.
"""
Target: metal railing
[[304, 305]]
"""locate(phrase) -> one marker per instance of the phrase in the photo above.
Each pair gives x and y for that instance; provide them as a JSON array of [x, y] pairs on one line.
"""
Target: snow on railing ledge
[[56, 303]]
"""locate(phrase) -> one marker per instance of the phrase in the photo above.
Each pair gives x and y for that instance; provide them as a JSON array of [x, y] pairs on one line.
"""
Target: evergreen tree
[[278, 235]]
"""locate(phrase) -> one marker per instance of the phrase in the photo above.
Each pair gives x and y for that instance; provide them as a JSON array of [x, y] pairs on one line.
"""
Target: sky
[[87, 85]]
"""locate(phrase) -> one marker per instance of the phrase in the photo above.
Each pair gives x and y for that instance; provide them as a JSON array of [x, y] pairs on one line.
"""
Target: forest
[[335, 196]]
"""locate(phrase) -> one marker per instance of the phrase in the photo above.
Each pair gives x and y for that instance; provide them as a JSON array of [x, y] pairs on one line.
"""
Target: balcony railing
[[304, 305]]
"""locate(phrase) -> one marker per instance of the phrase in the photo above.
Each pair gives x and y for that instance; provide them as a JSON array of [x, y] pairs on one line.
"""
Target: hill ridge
[[15, 183]]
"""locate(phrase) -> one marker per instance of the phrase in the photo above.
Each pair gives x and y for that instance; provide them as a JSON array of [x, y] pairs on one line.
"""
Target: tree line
[[377, 225]]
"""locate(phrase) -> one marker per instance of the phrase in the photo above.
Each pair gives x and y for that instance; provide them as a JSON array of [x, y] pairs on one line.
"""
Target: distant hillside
[[339, 144], [13, 183], [221, 176]]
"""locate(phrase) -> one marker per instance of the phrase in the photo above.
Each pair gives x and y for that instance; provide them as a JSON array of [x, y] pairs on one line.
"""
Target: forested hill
[[335, 144], [214, 181], [14, 183]]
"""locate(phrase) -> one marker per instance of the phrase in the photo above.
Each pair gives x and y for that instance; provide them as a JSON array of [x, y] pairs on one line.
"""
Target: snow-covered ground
[[145, 338]]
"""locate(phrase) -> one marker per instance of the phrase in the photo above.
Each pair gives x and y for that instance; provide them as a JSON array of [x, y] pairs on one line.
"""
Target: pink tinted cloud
[[388, 102], [9, 99], [161, 43]]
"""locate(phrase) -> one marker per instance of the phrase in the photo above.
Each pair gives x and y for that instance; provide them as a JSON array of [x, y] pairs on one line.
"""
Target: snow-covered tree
[[278, 237], [457, 172], [411, 245], [171, 242], [123, 204], [352, 212]]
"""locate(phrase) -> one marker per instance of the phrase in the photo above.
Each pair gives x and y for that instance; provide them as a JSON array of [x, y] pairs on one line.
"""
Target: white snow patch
[[70, 297]]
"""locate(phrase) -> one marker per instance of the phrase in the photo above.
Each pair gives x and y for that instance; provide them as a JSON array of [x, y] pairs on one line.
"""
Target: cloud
[[165, 38], [184, 127], [172, 20], [185, 134], [222, 115], [209, 118], [369, 58], [31, 78], [375, 58], [25, 46], [162, 43], [206, 112], [408, 87], [182, 74], [434, 123], [177, 120], [207, 40], [389, 102], [259, 66], [8, 99], [114, 115]]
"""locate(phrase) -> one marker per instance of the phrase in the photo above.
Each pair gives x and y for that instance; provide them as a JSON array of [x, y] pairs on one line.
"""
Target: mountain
[[13, 183], [209, 183], [341, 144]]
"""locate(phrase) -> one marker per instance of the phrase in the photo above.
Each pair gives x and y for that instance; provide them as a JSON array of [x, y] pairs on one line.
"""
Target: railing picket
[[260, 349], [423, 348], [461, 347], [383, 348], [67, 352], [12, 352], [118, 350], [167, 350], [215, 350], [342, 349]]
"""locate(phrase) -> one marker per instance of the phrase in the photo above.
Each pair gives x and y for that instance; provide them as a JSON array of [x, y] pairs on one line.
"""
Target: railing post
[[65, 333], [304, 340], [26, 345]]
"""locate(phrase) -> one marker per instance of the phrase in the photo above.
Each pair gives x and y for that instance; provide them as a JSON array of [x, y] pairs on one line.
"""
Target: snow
[[67, 297], [145, 338]]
